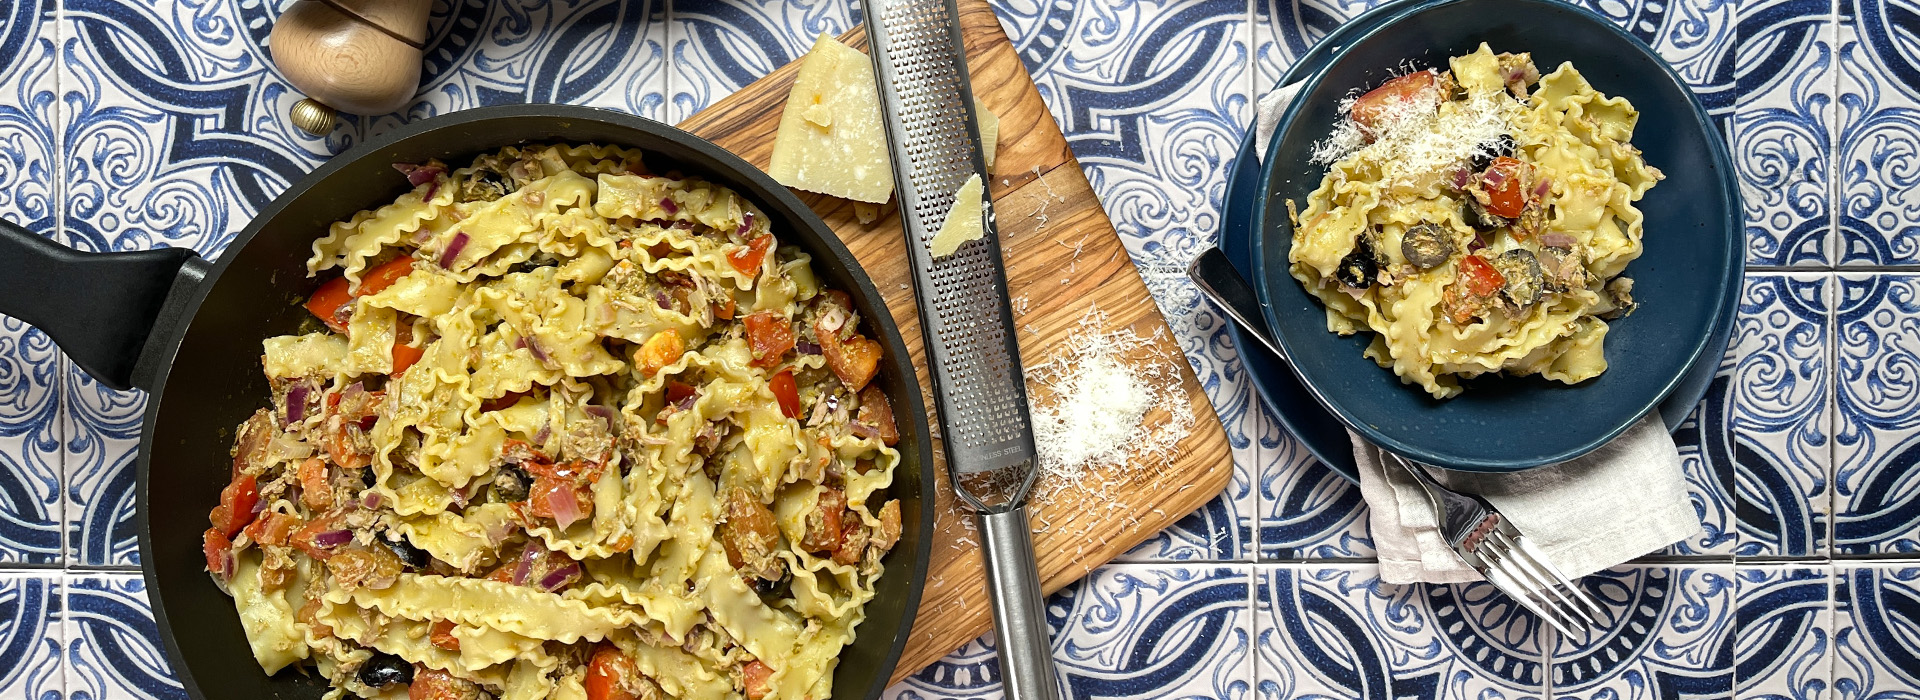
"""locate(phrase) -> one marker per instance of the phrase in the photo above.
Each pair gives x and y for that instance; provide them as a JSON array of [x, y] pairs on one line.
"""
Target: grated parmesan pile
[[1101, 409], [1415, 142]]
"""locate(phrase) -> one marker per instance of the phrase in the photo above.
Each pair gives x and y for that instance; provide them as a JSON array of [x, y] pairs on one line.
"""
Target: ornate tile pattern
[[1876, 609], [127, 125], [30, 449], [1879, 130], [1783, 625], [1126, 631], [1877, 459], [1337, 631], [1669, 633]]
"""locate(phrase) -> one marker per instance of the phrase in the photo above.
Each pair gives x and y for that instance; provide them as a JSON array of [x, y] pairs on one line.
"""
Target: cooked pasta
[[1477, 220], [563, 428]]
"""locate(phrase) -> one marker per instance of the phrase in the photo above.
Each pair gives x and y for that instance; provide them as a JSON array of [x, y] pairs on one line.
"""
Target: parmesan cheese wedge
[[989, 130], [963, 220], [830, 139]]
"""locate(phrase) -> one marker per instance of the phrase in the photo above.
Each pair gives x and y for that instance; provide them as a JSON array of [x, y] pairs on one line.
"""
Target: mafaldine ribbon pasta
[[1477, 220], [566, 428]]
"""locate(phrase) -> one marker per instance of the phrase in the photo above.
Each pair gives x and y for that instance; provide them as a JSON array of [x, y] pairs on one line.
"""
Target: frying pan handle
[[1019, 609], [100, 307]]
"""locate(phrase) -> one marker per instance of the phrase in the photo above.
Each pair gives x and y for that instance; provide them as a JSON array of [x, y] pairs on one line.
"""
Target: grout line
[[1835, 247], [61, 407]]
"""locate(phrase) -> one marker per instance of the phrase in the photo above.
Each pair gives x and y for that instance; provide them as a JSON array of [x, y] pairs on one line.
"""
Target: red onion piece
[[533, 346], [332, 538], [686, 404], [601, 412], [1494, 177], [833, 402], [418, 174], [1557, 239], [370, 501], [863, 430], [559, 577], [566, 510], [1460, 178], [297, 402], [546, 431], [746, 222], [525, 566], [663, 300], [807, 348], [452, 252], [1545, 186], [667, 205], [1477, 243]]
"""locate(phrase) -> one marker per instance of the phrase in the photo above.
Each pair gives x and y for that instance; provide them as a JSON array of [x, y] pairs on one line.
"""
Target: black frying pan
[[188, 331]]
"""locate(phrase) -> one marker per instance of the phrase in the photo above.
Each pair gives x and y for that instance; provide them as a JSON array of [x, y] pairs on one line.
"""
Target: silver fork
[[1490, 544]]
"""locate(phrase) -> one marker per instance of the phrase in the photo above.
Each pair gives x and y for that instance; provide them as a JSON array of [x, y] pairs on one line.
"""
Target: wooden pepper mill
[[356, 56]]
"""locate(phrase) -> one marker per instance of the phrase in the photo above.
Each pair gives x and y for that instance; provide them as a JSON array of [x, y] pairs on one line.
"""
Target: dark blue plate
[[1500, 429]]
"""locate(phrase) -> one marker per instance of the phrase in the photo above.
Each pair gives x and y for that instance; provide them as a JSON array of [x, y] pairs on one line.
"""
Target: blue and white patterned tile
[[719, 46], [1757, 450], [1877, 457], [1668, 633], [113, 645], [1879, 133], [1307, 511], [1152, 96], [602, 53], [1876, 653], [30, 453], [1285, 29], [1783, 132], [30, 637], [1336, 631], [1127, 631], [1783, 626]]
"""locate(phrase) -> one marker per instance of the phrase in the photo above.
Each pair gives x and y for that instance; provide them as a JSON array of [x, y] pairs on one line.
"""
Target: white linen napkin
[[1626, 499]]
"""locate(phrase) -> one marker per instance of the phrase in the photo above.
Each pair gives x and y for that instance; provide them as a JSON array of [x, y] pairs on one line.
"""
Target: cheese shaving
[[1416, 141], [1107, 408]]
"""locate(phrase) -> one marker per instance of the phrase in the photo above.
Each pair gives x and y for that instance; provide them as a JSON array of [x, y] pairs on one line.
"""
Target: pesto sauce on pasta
[[1477, 220], [570, 423]]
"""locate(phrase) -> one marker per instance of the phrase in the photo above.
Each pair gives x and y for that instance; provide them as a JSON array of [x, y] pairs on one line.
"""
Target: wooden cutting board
[[1065, 259]]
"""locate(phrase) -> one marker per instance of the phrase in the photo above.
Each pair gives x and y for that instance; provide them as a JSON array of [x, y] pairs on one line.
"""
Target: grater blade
[[966, 317]]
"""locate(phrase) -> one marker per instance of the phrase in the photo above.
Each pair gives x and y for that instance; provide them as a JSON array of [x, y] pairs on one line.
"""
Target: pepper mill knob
[[355, 56]]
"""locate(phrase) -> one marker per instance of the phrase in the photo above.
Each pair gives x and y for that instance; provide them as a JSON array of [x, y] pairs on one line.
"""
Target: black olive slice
[[1427, 246]]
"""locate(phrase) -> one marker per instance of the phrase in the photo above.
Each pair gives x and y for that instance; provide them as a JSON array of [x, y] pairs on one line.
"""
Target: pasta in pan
[[1477, 220], [564, 428]]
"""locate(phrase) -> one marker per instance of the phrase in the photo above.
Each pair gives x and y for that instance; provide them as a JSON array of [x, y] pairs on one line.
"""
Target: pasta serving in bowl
[[564, 427], [1477, 219], [1503, 181]]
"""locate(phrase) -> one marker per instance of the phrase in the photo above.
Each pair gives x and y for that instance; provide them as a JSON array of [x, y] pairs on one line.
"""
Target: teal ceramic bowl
[[1687, 279]]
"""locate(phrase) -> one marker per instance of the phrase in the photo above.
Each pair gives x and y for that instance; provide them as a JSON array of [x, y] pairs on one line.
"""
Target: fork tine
[[1528, 589], [1501, 578], [1587, 602], [1533, 565]]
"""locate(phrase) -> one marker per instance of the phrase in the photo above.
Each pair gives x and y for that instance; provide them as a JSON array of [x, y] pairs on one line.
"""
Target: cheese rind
[[830, 139], [989, 130], [963, 220]]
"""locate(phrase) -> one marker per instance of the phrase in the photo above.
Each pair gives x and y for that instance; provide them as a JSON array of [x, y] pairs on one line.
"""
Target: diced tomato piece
[[877, 411], [786, 392], [236, 506], [664, 348], [506, 400], [660, 250], [758, 676], [888, 533], [382, 277], [272, 528], [853, 544], [678, 391], [1372, 109], [770, 335], [723, 308], [443, 636], [565, 488], [504, 574], [1480, 277], [823, 523], [332, 304], [404, 356], [1509, 198], [316, 490], [747, 258], [219, 552], [609, 674], [749, 534], [356, 566], [854, 360], [309, 613], [435, 684]]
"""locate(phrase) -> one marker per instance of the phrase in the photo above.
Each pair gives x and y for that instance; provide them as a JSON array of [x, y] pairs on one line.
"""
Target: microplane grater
[[919, 63], [964, 307]]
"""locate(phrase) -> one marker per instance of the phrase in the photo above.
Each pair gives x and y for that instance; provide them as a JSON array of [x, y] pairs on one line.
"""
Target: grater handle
[[1019, 610]]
